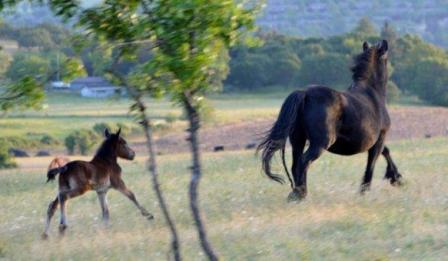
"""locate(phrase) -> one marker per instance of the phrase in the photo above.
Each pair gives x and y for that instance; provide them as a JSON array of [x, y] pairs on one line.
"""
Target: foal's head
[[118, 145], [371, 64]]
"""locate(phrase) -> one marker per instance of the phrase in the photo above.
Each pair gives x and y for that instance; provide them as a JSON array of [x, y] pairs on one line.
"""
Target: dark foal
[[100, 174], [344, 123]]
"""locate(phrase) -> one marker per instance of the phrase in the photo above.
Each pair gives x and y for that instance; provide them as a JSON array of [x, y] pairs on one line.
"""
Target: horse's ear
[[365, 46], [384, 46], [106, 133], [118, 132]]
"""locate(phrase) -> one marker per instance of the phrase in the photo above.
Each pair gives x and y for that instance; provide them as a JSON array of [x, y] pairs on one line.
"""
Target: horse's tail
[[276, 137], [51, 174]]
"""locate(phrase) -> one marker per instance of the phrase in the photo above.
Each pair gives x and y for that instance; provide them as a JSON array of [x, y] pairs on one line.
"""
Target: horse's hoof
[[364, 189], [62, 228], [44, 236], [148, 215], [296, 196], [396, 183]]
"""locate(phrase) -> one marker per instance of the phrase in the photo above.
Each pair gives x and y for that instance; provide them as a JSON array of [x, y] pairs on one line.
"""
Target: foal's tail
[[51, 174], [276, 137]]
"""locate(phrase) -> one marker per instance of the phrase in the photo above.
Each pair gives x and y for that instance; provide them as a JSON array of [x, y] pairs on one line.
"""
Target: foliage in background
[[6, 161], [81, 141]]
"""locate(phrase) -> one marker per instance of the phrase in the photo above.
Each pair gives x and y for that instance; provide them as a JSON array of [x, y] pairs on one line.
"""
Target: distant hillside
[[326, 17], [318, 18]]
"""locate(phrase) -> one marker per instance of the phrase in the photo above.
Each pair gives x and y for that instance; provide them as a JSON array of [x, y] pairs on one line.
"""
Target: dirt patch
[[407, 123]]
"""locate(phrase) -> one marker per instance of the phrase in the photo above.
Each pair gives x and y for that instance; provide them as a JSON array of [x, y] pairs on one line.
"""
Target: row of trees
[[417, 67]]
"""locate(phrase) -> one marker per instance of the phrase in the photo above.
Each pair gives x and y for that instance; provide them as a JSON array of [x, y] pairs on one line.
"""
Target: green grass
[[247, 215], [64, 113]]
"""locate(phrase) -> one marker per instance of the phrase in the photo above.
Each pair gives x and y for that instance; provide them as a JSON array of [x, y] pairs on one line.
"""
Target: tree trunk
[[194, 121], [152, 167]]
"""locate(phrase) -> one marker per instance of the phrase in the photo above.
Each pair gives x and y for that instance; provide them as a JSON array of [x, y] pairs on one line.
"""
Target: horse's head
[[371, 64], [120, 145]]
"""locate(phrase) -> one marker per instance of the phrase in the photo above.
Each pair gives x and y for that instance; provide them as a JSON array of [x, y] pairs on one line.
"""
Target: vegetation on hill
[[416, 67]]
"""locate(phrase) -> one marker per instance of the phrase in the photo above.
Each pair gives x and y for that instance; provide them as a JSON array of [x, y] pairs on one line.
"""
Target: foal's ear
[[118, 132], [384, 46], [106, 133], [365, 46]]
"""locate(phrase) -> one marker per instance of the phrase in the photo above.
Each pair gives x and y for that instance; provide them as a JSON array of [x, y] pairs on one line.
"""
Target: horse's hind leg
[[298, 140], [392, 173], [300, 191], [63, 197], [50, 212], [374, 152]]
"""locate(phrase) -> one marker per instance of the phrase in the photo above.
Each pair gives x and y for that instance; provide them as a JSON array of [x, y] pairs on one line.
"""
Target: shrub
[[100, 127], [48, 140], [70, 143], [171, 118], [6, 161]]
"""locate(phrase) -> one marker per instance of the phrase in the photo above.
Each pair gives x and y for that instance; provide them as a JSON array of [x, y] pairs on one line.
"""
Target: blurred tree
[[389, 33], [26, 64], [365, 28], [329, 69]]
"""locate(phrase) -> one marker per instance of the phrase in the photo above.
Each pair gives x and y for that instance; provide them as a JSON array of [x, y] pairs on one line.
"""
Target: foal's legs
[[103, 202], [391, 171], [121, 186], [63, 197], [50, 212], [374, 152]]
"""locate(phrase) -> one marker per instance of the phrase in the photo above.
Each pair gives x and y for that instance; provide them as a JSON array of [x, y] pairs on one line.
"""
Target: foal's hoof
[[44, 236], [296, 196], [148, 215], [62, 229]]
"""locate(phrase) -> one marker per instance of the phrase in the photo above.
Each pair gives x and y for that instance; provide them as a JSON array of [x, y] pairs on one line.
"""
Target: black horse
[[344, 123]]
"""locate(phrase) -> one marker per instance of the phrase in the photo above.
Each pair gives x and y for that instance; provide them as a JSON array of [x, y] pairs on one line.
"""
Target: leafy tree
[[365, 28], [28, 64]]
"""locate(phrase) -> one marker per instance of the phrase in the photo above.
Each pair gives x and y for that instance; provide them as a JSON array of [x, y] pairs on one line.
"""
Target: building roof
[[93, 82]]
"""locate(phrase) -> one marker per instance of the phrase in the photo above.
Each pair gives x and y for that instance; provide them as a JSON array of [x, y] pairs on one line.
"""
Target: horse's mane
[[363, 68], [105, 150]]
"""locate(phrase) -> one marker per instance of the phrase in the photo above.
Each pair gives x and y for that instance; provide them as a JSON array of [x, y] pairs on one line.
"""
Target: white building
[[96, 87]]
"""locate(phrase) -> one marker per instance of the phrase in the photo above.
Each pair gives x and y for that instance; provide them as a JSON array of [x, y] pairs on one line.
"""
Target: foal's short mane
[[105, 150], [363, 67]]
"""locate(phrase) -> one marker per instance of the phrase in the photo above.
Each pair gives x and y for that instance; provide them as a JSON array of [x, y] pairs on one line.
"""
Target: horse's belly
[[345, 146]]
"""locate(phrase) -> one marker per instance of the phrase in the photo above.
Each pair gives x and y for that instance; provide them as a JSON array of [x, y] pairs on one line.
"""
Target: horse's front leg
[[392, 173], [121, 186], [374, 152]]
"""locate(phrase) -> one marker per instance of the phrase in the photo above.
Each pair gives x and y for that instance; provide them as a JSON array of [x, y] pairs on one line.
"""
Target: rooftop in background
[[91, 82]]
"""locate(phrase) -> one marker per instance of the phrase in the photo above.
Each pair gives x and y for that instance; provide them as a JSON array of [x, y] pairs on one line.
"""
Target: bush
[[83, 140], [170, 118], [100, 127], [48, 140], [6, 161], [70, 143]]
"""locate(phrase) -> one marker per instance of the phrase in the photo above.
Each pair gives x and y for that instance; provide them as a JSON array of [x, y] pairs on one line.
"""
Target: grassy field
[[247, 215], [64, 113]]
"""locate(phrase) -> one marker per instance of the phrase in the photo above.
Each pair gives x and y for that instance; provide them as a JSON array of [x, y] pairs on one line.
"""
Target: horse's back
[[76, 172]]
